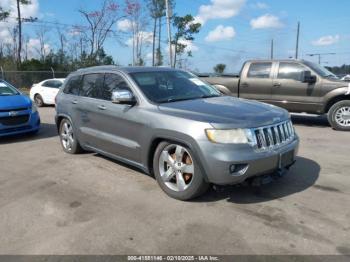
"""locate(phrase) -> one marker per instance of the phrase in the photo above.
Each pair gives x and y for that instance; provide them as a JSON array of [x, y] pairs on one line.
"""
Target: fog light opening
[[238, 169]]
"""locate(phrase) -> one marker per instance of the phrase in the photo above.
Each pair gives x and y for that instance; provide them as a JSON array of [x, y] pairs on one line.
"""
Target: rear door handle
[[244, 85], [277, 84], [75, 102], [102, 107]]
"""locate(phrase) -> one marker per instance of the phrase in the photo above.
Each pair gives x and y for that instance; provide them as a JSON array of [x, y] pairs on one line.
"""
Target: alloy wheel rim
[[67, 137], [176, 167], [342, 116]]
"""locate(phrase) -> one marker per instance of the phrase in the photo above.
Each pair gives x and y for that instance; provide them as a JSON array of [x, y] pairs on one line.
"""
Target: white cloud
[[190, 46], [260, 5], [221, 33], [145, 37], [124, 25], [30, 10], [219, 9], [326, 40], [33, 47], [266, 21]]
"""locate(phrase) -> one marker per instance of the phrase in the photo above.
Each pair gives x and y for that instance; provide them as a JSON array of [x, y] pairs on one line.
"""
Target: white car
[[346, 78], [44, 93]]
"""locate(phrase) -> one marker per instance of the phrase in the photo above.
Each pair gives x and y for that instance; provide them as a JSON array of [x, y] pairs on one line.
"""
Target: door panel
[[290, 92], [256, 81], [112, 128]]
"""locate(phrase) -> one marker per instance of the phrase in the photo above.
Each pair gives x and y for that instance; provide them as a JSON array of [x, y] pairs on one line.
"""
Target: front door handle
[[102, 107], [244, 85], [75, 102], [277, 84]]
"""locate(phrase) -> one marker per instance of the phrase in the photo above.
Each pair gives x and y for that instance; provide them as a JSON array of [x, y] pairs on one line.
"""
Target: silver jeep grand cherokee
[[170, 123]]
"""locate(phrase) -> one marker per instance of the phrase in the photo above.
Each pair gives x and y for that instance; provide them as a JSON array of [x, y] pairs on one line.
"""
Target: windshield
[[7, 90], [171, 86], [320, 70]]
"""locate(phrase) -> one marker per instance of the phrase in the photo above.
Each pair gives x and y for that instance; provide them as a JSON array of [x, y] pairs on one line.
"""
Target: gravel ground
[[55, 203]]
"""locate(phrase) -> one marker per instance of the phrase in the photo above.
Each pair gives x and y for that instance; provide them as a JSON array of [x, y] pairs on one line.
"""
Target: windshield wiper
[[188, 98], [209, 96]]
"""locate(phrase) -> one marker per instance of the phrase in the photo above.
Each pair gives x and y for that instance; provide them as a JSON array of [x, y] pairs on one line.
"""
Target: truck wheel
[[177, 172], [339, 115]]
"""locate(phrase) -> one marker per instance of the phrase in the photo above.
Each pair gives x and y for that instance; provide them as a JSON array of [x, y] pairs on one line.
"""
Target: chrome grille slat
[[273, 136]]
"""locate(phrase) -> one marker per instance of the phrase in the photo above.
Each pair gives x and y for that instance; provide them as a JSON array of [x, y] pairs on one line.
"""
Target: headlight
[[230, 136], [34, 109]]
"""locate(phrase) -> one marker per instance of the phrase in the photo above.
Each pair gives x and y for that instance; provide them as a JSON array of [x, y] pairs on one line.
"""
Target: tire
[[39, 100], [68, 140], [339, 115], [170, 163]]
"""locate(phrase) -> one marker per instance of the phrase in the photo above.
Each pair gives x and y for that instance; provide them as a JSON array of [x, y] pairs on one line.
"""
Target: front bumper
[[31, 126], [226, 164]]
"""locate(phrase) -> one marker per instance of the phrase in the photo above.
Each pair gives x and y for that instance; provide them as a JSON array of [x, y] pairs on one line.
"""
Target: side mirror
[[308, 78], [123, 97]]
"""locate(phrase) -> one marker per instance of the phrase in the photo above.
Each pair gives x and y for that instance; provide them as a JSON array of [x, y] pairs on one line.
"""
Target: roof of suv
[[129, 69]]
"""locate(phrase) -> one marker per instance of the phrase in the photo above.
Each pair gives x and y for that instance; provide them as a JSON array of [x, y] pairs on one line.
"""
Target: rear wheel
[[339, 115], [177, 172], [38, 100], [68, 139]]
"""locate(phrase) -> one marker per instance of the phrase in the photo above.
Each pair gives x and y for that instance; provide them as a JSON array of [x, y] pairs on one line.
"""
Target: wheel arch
[[223, 89], [335, 100], [59, 119], [159, 139]]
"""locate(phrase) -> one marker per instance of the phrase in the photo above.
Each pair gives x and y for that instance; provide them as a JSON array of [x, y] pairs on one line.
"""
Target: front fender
[[339, 92]]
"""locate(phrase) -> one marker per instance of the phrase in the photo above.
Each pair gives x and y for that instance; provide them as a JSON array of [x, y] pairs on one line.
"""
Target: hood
[[336, 83], [14, 102], [226, 112]]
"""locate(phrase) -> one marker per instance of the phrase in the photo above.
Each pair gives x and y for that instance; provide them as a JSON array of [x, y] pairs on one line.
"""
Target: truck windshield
[[7, 90], [172, 86], [323, 72]]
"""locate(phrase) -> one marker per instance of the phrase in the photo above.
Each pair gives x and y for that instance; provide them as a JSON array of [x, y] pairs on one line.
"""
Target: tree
[[19, 20], [99, 25], [185, 29], [138, 21], [219, 68], [157, 11]]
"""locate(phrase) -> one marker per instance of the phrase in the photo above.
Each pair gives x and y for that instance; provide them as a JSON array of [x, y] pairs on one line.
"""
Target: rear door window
[[259, 70], [52, 84], [73, 85], [92, 85], [113, 82], [291, 71]]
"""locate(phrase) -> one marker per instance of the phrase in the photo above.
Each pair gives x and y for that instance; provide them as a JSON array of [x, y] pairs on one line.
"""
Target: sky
[[232, 30]]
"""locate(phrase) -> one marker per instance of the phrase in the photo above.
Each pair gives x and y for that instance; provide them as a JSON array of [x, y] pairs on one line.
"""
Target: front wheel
[[68, 139], [177, 172], [339, 115]]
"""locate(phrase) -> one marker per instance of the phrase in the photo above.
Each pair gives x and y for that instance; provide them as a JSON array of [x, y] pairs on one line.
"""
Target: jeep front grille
[[270, 137]]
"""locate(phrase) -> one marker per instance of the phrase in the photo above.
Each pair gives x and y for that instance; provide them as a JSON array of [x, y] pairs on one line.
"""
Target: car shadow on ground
[[310, 120], [300, 177], [46, 131]]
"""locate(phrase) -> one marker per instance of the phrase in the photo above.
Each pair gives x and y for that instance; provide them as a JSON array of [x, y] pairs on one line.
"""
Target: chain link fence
[[25, 79]]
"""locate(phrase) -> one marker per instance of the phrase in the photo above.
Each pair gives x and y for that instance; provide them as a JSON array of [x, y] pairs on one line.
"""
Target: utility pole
[[169, 32], [319, 56], [271, 49], [297, 43]]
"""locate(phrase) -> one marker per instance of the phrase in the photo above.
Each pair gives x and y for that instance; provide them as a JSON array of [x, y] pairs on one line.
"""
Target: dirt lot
[[54, 203]]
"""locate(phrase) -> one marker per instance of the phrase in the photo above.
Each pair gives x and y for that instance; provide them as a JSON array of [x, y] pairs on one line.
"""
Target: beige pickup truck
[[296, 85]]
